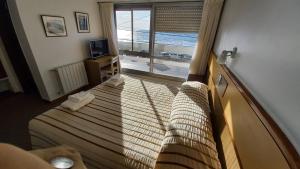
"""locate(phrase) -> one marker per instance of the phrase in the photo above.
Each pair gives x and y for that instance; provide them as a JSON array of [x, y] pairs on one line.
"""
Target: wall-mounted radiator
[[72, 76]]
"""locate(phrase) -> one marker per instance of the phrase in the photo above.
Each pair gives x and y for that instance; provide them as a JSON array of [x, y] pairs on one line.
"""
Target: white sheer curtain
[[209, 23], [109, 27]]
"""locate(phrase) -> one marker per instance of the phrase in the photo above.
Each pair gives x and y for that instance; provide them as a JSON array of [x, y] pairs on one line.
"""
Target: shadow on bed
[[121, 128], [173, 89], [160, 121], [95, 130], [188, 141]]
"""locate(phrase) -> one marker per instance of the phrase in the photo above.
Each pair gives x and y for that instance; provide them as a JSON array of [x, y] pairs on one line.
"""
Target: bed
[[144, 123], [154, 123]]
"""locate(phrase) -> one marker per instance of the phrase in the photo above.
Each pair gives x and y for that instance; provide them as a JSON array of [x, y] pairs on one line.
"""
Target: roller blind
[[184, 17]]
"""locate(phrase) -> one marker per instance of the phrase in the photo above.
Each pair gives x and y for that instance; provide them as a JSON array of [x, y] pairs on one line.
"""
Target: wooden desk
[[93, 69]]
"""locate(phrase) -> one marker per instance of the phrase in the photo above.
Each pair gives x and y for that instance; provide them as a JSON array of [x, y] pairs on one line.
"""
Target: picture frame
[[82, 22], [54, 26]]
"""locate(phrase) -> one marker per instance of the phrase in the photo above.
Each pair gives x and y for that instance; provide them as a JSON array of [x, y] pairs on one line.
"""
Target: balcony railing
[[168, 60], [161, 51]]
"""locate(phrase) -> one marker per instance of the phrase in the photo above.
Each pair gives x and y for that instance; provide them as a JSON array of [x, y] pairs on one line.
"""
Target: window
[[160, 38], [124, 30], [173, 53], [133, 29]]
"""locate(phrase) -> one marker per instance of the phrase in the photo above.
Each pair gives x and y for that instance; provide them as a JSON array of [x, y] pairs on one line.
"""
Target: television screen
[[98, 48]]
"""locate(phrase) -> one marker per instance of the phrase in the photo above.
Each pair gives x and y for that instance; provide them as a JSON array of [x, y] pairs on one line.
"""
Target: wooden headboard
[[248, 137]]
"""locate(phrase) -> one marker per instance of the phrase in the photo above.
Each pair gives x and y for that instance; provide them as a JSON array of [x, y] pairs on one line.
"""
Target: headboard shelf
[[248, 134]]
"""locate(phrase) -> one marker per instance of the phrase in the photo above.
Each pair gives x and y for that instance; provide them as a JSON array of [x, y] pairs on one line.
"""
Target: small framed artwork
[[54, 26], [82, 21]]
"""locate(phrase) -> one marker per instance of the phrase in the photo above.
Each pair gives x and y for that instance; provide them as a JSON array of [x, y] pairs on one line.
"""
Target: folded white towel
[[75, 106], [115, 81], [78, 97]]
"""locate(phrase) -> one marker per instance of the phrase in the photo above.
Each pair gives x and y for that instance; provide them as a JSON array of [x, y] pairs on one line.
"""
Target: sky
[[141, 20]]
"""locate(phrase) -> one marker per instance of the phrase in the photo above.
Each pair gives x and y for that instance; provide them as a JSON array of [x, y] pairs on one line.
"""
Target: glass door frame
[[137, 7], [132, 7], [151, 7]]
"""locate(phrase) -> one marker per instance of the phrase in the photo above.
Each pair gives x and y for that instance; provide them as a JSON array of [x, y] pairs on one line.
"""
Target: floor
[[15, 112], [162, 67]]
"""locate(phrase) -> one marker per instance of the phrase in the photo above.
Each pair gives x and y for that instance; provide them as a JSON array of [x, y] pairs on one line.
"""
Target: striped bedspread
[[122, 128], [189, 142]]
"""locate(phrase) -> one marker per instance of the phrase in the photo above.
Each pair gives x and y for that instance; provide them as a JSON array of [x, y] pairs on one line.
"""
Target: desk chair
[[113, 68]]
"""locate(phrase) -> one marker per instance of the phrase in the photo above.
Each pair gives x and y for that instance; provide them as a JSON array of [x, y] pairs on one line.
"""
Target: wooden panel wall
[[245, 140]]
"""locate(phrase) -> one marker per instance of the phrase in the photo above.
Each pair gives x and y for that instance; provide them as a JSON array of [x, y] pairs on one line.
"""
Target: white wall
[[267, 35], [45, 53]]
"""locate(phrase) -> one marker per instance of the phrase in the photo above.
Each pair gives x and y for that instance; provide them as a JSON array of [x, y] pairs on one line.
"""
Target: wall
[[45, 53], [266, 33]]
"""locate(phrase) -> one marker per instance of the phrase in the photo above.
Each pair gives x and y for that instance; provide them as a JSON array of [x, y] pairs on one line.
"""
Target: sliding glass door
[[159, 38], [133, 29], [173, 53]]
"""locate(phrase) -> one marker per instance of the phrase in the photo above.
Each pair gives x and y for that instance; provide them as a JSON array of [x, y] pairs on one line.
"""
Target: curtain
[[109, 27], [208, 27]]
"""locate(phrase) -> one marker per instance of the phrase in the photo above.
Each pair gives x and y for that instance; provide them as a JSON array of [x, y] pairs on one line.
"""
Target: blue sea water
[[182, 39], [141, 26]]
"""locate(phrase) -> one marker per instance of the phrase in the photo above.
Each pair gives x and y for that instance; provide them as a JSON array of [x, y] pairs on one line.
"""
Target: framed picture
[[82, 21], [54, 26]]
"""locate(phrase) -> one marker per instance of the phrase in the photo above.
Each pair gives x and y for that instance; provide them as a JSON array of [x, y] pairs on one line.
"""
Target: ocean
[[181, 39]]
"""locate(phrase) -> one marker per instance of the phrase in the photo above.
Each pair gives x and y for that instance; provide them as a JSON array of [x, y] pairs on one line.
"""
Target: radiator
[[72, 76]]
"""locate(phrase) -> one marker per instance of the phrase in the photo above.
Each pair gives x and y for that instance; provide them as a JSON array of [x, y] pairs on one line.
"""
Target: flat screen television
[[98, 48]]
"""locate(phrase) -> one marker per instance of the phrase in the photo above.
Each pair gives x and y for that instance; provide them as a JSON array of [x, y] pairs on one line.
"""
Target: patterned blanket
[[122, 128]]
